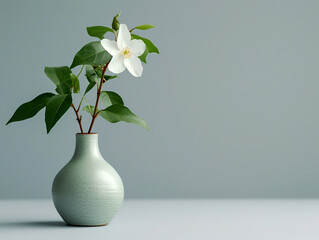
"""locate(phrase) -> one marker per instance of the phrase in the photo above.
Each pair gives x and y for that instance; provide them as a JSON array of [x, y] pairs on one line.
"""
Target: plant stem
[[80, 71], [86, 101], [115, 35], [78, 118], [78, 109], [98, 98]]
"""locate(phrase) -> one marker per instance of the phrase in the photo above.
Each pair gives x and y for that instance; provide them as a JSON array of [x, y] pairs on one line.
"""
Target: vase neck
[[87, 144]]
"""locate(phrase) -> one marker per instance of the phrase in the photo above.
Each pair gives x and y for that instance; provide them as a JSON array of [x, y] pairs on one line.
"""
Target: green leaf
[[116, 23], [108, 77], [117, 113], [109, 98], [143, 56], [89, 87], [89, 109], [91, 74], [99, 72], [63, 88], [55, 109], [98, 31], [149, 45], [31, 108], [75, 83], [144, 27], [58, 75], [91, 54]]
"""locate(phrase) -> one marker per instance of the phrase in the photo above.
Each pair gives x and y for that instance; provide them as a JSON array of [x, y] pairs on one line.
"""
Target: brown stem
[[98, 98], [78, 118]]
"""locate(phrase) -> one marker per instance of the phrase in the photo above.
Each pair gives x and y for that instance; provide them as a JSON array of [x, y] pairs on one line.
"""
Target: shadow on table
[[34, 224]]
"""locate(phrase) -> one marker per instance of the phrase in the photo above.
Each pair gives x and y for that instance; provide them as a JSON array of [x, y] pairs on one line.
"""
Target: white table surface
[[170, 219]]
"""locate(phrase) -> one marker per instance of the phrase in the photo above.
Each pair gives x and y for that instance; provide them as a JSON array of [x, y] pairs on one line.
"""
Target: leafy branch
[[95, 59]]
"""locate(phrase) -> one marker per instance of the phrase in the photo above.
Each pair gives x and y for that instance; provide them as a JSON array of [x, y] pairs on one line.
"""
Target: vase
[[87, 191]]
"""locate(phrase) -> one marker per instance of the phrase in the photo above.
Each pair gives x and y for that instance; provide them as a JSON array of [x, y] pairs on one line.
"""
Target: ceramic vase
[[87, 191]]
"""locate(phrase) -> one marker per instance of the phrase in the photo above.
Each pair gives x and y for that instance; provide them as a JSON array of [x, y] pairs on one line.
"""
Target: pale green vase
[[87, 191]]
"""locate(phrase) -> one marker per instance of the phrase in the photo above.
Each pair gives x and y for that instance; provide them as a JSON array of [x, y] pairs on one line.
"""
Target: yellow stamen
[[126, 52]]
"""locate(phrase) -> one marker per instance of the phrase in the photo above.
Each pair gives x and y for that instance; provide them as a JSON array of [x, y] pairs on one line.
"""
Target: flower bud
[[116, 23]]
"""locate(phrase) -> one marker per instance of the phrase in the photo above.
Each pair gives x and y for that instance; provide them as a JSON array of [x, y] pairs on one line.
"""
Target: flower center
[[126, 52]]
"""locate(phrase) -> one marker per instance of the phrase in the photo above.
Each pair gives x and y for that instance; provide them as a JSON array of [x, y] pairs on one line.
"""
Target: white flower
[[125, 52]]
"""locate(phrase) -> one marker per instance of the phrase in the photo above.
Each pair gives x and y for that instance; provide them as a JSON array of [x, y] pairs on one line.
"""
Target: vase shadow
[[34, 224]]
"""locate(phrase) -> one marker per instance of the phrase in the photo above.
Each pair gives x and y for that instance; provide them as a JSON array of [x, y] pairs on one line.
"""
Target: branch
[[78, 118], [94, 116]]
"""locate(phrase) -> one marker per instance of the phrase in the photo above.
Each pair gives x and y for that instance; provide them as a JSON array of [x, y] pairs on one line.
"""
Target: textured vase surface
[[87, 191]]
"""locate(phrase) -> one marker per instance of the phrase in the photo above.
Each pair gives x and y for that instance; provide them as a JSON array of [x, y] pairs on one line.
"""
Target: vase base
[[88, 225]]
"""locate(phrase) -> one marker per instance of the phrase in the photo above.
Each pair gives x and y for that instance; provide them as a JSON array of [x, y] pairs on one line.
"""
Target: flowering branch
[[127, 51]]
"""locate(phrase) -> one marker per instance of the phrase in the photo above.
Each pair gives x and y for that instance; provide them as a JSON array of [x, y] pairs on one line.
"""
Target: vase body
[[87, 191]]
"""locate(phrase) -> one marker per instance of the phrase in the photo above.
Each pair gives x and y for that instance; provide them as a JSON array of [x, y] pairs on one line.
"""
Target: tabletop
[[170, 219]]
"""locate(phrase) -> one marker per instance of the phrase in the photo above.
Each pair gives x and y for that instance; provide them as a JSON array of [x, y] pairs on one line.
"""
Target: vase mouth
[[86, 133]]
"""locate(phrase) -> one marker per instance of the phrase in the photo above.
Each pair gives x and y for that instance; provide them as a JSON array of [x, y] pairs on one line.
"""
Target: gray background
[[232, 100]]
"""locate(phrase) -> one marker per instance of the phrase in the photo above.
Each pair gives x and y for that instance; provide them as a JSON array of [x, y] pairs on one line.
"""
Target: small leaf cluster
[[93, 58]]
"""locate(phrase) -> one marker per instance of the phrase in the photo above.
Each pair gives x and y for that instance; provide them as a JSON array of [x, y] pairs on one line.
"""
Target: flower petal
[[134, 66], [110, 46], [137, 47], [124, 37], [117, 64]]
